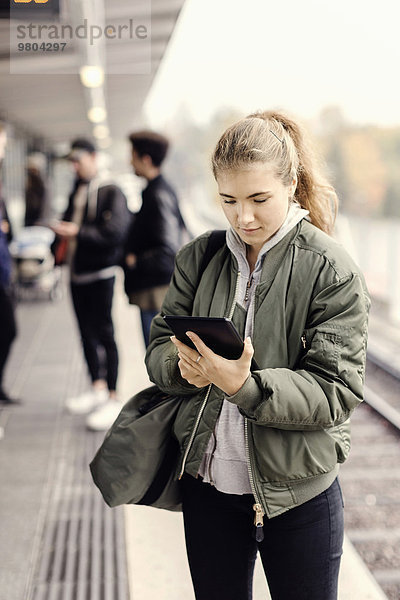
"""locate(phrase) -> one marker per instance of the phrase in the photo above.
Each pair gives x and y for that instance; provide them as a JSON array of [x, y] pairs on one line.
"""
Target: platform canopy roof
[[44, 93]]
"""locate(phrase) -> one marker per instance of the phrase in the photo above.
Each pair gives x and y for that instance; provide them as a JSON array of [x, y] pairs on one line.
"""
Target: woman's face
[[255, 202]]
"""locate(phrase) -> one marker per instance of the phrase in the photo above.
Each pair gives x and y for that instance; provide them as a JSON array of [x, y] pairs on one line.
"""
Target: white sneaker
[[102, 418], [86, 402]]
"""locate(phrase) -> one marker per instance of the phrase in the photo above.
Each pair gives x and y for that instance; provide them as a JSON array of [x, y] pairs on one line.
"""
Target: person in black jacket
[[95, 225], [157, 232]]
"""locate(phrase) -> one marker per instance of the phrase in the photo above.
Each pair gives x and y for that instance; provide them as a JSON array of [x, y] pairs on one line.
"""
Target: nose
[[245, 213]]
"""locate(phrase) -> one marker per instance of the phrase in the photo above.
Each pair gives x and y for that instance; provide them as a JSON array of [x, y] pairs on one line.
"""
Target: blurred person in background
[[8, 329], [261, 445], [158, 230], [95, 226], [36, 193]]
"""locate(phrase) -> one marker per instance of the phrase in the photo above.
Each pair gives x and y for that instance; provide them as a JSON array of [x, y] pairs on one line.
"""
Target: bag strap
[[215, 242]]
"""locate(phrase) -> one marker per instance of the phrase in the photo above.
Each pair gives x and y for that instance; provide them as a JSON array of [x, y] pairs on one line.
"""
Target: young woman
[[260, 448]]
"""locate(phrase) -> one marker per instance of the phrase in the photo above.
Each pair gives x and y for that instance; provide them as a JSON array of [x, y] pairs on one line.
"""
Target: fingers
[[189, 363], [204, 351], [191, 374], [202, 366], [200, 345], [248, 349], [183, 350]]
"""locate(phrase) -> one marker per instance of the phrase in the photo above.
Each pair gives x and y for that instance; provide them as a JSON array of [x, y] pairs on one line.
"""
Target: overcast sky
[[299, 55]]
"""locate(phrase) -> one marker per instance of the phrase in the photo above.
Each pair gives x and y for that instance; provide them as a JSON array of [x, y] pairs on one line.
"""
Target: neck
[[251, 255], [152, 173], [87, 179]]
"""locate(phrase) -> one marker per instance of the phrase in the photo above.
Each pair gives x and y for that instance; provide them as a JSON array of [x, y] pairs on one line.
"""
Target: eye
[[260, 200], [226, 201]]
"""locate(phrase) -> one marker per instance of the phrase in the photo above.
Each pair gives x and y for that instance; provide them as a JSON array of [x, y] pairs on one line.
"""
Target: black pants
[[8, 328], [300, 552], [146, 317], [92, 303]]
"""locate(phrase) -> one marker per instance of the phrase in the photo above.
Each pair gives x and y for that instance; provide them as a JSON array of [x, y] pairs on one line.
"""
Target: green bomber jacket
[[310, 337]]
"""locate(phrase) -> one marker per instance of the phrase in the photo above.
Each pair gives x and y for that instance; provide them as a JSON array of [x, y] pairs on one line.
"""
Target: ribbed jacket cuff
[[248, 398]]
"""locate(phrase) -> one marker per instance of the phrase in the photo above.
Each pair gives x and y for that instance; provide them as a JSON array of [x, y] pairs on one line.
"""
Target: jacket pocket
[[323, 349], [283, 455]]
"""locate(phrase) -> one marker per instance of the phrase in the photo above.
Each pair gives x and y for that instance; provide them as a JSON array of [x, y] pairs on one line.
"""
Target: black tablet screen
[[217, 333]]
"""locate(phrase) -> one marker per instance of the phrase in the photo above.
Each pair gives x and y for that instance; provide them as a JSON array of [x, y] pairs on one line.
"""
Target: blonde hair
[[273, 138]]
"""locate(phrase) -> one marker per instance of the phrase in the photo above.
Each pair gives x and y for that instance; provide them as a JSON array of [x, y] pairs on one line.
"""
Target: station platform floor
[[58, 540]]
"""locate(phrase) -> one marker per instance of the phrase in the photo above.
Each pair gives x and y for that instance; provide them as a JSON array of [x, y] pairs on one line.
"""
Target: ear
[[147, 160]]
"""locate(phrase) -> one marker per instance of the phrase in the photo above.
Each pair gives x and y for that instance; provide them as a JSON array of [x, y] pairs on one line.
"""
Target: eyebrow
[[248, 197]]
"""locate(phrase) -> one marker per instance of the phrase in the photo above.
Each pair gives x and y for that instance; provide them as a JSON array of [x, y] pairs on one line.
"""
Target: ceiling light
[[97, 114], [101, 131], [91, 76], [104, 143]]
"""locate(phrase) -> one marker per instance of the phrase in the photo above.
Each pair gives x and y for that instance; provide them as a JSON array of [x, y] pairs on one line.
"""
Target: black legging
[[300, 552], [8, 328], [92, 304]]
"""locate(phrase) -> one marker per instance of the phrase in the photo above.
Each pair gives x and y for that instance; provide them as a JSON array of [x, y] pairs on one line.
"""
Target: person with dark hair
[[8, 327], [36, 193], [261, 441], [94, 225], [149, 143], [157, 232]]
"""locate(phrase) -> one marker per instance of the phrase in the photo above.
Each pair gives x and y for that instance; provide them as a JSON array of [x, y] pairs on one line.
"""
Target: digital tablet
[[218, 333]]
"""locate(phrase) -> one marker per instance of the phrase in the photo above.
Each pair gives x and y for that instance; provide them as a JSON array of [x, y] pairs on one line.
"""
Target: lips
[[249, 231]]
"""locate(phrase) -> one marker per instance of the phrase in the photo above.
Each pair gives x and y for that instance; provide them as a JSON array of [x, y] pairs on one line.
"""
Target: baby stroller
[[34, 268]]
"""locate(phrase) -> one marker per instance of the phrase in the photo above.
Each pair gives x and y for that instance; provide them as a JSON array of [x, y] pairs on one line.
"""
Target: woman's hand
[[203, 366]]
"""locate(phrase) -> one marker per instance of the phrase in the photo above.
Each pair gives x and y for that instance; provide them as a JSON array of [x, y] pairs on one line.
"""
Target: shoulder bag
[[136, 463]]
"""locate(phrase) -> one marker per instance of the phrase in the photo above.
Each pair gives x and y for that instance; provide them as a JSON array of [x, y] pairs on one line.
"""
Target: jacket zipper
[[248, 286], [230, 315], [257, 506], [202, 407], [211, 459], [304, 341]]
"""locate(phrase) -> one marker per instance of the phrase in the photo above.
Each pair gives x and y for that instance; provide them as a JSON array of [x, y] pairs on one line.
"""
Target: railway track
[[370, 478]]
